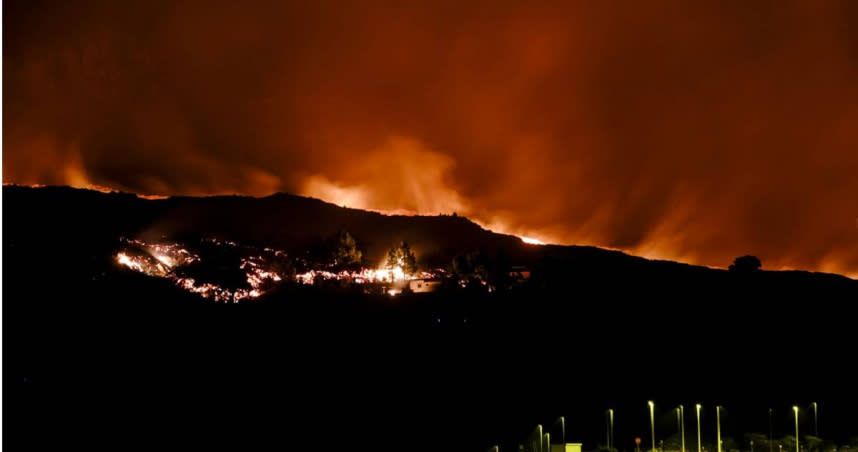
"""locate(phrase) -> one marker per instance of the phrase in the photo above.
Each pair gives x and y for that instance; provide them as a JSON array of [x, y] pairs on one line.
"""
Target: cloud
[[675, 130]]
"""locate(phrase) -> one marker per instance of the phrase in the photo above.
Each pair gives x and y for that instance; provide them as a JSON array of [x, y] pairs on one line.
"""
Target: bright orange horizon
[[690, 132]]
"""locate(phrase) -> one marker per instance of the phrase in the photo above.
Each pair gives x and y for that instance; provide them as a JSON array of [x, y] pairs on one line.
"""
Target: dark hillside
[[100, 357]]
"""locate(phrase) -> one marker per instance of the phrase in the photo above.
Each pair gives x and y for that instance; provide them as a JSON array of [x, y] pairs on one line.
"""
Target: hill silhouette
[[457, 370], [296, 223]]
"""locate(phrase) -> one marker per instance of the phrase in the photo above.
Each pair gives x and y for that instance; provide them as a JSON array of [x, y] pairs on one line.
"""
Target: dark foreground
[[122, 363], [97, 357]]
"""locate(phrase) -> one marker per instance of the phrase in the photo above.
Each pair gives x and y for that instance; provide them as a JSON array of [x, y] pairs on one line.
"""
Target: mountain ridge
[[295, 222]]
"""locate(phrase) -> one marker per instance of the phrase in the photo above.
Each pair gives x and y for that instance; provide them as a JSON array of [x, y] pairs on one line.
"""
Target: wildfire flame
[[127, 261], [363, 276], [531, 240], [161, 260], [166, 261]]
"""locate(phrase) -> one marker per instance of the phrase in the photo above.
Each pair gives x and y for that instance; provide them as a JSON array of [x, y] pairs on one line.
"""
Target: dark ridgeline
[[99, 357]]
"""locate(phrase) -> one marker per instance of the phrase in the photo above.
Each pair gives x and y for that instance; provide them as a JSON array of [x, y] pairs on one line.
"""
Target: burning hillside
[[226, 271], [187, 270]]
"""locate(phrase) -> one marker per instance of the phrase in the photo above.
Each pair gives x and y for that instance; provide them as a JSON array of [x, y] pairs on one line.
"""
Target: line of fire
[[227, 271]]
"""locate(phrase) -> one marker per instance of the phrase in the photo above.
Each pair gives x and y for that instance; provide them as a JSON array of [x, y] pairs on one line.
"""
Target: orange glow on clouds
[[693, 131], [401, 175]]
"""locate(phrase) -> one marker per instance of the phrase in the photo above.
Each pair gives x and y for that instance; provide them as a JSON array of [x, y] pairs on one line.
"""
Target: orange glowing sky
[[696, 131]]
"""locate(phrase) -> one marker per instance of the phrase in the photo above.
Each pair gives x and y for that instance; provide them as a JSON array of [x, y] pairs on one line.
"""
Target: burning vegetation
[[189, 271], [226, 271]]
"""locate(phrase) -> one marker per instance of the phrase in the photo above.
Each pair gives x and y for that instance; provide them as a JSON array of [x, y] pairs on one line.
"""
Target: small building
[[424, 285]]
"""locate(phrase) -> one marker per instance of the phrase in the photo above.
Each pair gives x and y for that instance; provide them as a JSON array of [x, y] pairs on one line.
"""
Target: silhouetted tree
[[345, 251], [760, 440], [746, 264], [471, 267], [814, 443], [401, 256]]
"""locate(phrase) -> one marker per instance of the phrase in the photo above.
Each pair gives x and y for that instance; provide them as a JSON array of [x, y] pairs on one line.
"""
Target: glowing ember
[[152, 197], [172, 261], [257, 275], [127, 261], [363, 276], [163, 260]]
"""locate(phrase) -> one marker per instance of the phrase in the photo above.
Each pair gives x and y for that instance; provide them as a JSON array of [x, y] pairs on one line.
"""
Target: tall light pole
[[682, 425], [699, 446], [771, 435], [610, 429], [718, 421], [563, 429], [678, 421], [795, 410], [815, 421], [652, 422]]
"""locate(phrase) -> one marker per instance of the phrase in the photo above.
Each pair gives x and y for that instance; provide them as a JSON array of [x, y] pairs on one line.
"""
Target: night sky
[[697, 131]]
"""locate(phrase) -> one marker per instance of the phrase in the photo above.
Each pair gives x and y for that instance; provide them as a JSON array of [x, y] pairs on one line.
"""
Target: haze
[[692, 131]]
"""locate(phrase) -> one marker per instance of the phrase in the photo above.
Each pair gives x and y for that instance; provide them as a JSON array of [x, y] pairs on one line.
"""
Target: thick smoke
[[675, 130]]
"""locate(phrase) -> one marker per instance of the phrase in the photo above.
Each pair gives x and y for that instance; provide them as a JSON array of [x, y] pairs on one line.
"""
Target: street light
[[652, 422], [815, 421], [610, 429], [699, 447], [795, 410], [718, 420], [771, 435], [682, 425], [678, 421]]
